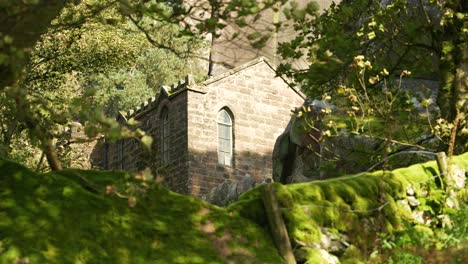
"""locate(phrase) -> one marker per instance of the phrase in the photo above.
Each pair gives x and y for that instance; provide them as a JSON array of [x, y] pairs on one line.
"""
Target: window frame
[[230, 126]]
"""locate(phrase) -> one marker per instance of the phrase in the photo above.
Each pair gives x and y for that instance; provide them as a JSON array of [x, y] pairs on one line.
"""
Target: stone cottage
[[207, 133]]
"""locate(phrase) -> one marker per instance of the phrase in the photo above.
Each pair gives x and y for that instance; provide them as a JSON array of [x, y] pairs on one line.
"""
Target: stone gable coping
[[203, 85], [188, 84]]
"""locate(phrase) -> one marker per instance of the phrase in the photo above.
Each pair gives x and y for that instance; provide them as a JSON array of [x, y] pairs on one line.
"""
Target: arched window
[[165, 136], [225, 142]]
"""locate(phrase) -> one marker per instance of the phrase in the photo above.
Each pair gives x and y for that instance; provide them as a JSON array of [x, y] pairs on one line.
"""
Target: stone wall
[[129, 155], [176, 172], [260, 104]]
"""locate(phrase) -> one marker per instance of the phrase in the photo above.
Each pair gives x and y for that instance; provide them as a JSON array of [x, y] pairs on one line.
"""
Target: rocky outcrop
[[332, 245], [347, 153], [227, 192], [301, 153], [298, 149]]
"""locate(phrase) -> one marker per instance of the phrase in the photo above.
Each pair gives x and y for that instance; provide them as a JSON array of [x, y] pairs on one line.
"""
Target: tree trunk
[[461, 98], [453, 91], [51, 154], [277, 226]]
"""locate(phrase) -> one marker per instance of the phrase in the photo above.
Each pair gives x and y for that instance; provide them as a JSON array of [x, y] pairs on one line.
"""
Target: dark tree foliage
[[427, 37]]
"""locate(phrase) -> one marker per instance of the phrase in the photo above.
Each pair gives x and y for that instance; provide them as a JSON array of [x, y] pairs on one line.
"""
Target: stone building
[[211, 132]]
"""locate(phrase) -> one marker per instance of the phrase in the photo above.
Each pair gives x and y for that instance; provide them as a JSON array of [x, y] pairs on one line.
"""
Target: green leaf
[[254, 35], [447, 47], [254, 10], [132, 122], [147, 141], [241, 22]]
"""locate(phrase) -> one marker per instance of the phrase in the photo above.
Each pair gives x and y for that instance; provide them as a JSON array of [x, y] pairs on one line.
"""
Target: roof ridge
[[236, 70], [250, 64]]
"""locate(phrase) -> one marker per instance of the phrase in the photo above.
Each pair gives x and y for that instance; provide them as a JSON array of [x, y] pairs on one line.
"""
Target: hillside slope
[[67, 217]]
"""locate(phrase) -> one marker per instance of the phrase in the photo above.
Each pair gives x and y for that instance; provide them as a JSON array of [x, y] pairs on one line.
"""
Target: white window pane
[[220, 131], [224, 131], [221, 157], [165, 137], [224, 121], [223, 117], [220, 145], [227, 132], [225, 146], [227, 160]]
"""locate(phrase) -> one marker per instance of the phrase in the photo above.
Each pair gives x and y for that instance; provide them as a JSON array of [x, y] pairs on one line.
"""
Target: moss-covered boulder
[[360, 206], [67, 217]]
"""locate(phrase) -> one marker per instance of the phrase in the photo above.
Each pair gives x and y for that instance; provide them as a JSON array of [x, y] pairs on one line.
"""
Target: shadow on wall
[[205, 172], [198, 172], [220, 184]]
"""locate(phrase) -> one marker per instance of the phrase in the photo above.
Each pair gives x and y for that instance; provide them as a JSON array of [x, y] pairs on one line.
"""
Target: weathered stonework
[[260, 105]]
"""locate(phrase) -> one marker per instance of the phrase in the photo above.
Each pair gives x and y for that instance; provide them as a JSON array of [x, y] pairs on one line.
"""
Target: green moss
[[352, 255], [314, 256], [423, 231], [66, 217], [360, 205], [461, 160], [250, 206]]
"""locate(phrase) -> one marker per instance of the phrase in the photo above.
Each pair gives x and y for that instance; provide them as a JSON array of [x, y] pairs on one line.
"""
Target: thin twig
[[453, 136]]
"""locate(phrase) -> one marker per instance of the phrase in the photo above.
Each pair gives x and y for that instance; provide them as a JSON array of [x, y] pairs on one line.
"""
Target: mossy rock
[[67, 217], [360, 205], [352, 255]]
